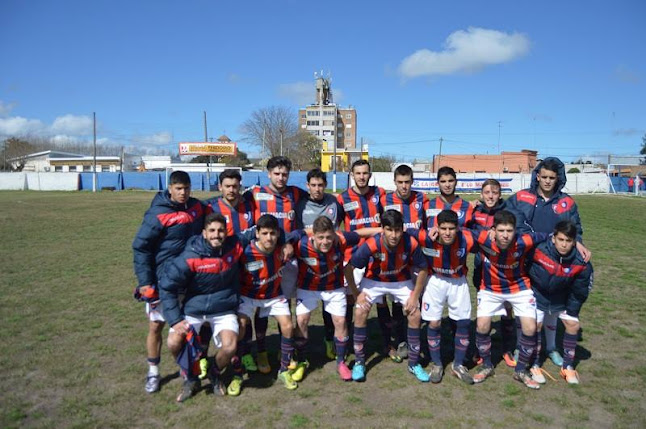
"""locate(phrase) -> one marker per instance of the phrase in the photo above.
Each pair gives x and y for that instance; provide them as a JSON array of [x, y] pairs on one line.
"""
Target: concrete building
[[335, 126], [507, 162], [64, 162]]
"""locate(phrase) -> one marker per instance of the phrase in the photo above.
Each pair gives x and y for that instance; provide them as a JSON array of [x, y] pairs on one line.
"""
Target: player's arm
[[522, 224], [580, 291], [176, 276], [359, 259], [368, 232], [576, 220], [144, 247]]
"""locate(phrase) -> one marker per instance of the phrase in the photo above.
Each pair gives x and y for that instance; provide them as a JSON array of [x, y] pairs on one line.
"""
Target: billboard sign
[[209, 148]]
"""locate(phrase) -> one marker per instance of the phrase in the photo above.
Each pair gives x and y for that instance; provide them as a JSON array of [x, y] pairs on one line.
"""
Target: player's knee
[[483, 326], [156, 328], [571, 326], [414, 319], [434, 324]]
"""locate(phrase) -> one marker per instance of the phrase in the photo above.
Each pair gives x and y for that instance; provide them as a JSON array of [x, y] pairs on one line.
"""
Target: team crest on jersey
[[397, 207], [460, 214], [460, 253], [404, 257], [193, 213], [312, 262], [426, 306], [352, 205], [254, 266], [330, 211], [567, 270], [374, 199], [229, 259], [416, 206], [290, 215], [227, 218], [433, 253], [247, 215], [516, 254], [263, 196], [418, 224]]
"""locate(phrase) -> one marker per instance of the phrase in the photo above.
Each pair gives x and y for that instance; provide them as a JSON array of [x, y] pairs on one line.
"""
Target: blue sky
[[564, 78]]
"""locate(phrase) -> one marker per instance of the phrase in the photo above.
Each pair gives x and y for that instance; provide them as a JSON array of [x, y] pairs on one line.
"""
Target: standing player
[[279, 200], [505, 279], [448, 200], [561, 281], [208, 273], [361, 207], [238, 210], [539, 208], [262, 263], [489, 204], [447, 261], [318, 203], [389, 258], [173, 217], [412, 205]]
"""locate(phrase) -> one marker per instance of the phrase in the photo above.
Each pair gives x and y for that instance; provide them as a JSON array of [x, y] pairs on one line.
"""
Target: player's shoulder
[[524, 196]]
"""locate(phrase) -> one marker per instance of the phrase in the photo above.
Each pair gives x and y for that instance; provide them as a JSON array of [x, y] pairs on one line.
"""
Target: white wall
[[39, 181]]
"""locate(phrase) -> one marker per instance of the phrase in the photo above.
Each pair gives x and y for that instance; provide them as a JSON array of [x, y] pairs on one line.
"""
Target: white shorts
[[290, 275], [334, 301], [490, 304], [540, 316], [228, 322], [278, 306], [454, 292], [154, 312], [358, 274], [374, 290]]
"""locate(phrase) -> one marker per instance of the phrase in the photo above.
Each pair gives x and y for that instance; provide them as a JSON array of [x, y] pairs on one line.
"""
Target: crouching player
[[447, 261], [561, 281], [505, 279], [209, 273], [389, 258], [262, 264], [320, 278]]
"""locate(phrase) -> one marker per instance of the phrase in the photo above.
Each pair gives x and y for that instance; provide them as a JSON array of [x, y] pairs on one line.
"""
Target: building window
[[87, 168], [328, 123], [348, 116], [329, 113], [303, 116], [348, 134], [313, 113], [58, 168], [340, 135], [339, 125], [312, 122], [348, 125], [314, 132]]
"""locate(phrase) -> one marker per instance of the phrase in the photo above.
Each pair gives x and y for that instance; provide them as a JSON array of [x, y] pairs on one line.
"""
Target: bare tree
[[268, 126]]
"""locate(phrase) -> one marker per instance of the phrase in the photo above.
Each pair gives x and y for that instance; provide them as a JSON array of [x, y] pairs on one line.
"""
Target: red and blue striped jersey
[[281, 206], [448, 260], [459, 206], [505, 271], [239, 218], [389, 265], [413, 209], [360, 211], [261, 273], [318, 271]]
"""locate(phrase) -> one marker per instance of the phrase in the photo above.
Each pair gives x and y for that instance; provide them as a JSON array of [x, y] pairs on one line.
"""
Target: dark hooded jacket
[[534, 214], [163, 234], [559, 282]]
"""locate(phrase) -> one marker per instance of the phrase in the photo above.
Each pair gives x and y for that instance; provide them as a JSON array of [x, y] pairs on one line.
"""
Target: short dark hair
[[392, 219], [180, 177], [403, 170], [316, 173], [551, 164], [279, 161], [446, 171], [322, 224], [230, 173], [267, 221], [360, 162], [504, 217], [491, 182], [447, 216], [214, 217], [566, 227]]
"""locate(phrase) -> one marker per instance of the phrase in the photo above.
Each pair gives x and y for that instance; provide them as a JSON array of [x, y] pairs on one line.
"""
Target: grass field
[[73, 350]]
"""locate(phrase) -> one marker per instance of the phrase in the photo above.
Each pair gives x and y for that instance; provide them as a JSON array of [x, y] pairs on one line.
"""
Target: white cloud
[[73, 125], [466, 51], [6, 108], [17, 126], [157, 139]]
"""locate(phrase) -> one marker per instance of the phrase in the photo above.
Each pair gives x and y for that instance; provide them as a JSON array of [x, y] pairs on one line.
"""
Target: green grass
[[74, 354]]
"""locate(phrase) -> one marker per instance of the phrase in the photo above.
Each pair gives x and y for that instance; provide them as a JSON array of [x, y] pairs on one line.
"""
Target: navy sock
[[461, 341], [569, 347], [359, 343], [413, 346], [433, 338], [286, 351], [300, 345], [483, 342], [526, 348], [340, 344]]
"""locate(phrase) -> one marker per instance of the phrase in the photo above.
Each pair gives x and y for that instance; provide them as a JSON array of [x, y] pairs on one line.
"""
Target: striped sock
[[300, 345], [461, 341], [286, 351], [340, 344], [359, 343], [526, 348], [413, 346], [433, 337], [483, 342], [569, 347]]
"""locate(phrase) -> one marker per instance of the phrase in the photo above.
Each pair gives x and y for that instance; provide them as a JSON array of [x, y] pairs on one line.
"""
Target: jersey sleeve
[[417, 257], [580, 291], [176, 277], [351, 238], [472, 244], [144, 247], [361, 256]]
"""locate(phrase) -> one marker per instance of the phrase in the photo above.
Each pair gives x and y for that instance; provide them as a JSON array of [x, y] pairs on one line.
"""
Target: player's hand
[[288, 252], [474, 203], [181, 328], [587, 254], [412, 304], [362, 301], [433, 233], [491, 234]]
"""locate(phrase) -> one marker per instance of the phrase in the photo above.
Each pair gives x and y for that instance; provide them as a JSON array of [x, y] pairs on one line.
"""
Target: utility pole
[[94, 177], [208, 167], [439, 158]]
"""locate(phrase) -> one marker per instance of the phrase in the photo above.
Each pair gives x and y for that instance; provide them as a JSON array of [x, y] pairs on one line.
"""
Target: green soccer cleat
[[248, 363], [287, 380], [235, 387]]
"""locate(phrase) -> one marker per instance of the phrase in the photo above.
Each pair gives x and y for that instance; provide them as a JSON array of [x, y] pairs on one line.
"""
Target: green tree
[[306, 154], [382, 163]]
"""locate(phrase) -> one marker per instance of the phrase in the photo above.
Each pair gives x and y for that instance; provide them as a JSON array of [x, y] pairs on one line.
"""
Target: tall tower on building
[[333, 125]]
